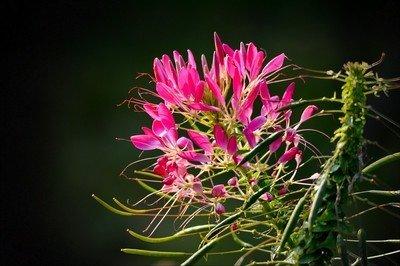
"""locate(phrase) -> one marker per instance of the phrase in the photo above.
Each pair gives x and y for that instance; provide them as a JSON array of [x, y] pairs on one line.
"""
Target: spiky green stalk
[[326, 217]]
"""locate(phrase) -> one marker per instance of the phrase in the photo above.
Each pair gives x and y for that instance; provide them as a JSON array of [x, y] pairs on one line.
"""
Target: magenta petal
[[151, 110], [237, 84], [218, 48], [227, 49], [165, 116], [264, 92], [158, 128], [273, 65], [185, 143], [145, 142], [220, 137], [288, 95], [165, 93], [201, 140], [288, 155], [308, 112], [199, 91], [192, 156], [191, 60], [232, 146], [251, 139], [215, 90], [250, 55], [159, 71], [256, 123], [274, 146], [204, 65]]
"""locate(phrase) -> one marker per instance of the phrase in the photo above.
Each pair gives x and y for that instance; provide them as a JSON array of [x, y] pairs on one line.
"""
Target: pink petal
[[179, 62], [165, 93], [214, 72], [227, 49], [237, 84], [201, 140], [273, 65], [184, 143], [204, 65], [199, 91], [165, 116], [232, 146], [282, 191], [145, 142], [151, 110], [245, 111], [308, 112], [215, 90], [257, 64], [288, 95], [220, 137], [256, 123], [251, 139], [158, 128], [159, 71], [191, 60], [250, 55], [194, 156], [288, 155], [218, 48], [274, 146]]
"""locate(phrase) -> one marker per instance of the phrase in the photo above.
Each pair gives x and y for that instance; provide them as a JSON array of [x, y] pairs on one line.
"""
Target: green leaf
[[154, 253], [178, 235]]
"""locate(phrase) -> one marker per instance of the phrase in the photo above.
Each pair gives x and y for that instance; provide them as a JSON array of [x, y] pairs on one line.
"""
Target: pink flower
[[219, 191], [164, 136]]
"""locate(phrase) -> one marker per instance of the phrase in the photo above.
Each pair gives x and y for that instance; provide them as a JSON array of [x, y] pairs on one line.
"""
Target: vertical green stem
[[325, 220]]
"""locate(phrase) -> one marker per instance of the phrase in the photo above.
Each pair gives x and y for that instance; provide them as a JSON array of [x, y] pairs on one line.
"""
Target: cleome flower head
[[218, 125]]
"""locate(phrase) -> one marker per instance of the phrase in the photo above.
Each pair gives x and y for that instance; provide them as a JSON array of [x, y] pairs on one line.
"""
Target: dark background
[[67, 64]]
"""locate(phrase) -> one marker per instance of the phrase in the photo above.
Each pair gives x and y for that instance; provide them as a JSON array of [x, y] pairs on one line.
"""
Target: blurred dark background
[[67, 64]]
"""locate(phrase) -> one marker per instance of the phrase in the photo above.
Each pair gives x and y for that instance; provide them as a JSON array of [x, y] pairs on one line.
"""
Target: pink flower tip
[[282, 191], [233, 182], [219, 208], [219, 191], [267, 196], [234, 227]]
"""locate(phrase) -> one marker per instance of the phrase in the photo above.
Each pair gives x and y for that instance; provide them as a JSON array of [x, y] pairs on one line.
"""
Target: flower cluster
[[210, 116]]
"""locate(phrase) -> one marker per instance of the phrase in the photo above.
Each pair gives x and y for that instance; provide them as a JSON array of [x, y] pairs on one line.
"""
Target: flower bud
[[219, 208], [233, 182], [282, 191], [219, 191], [267, 196]]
